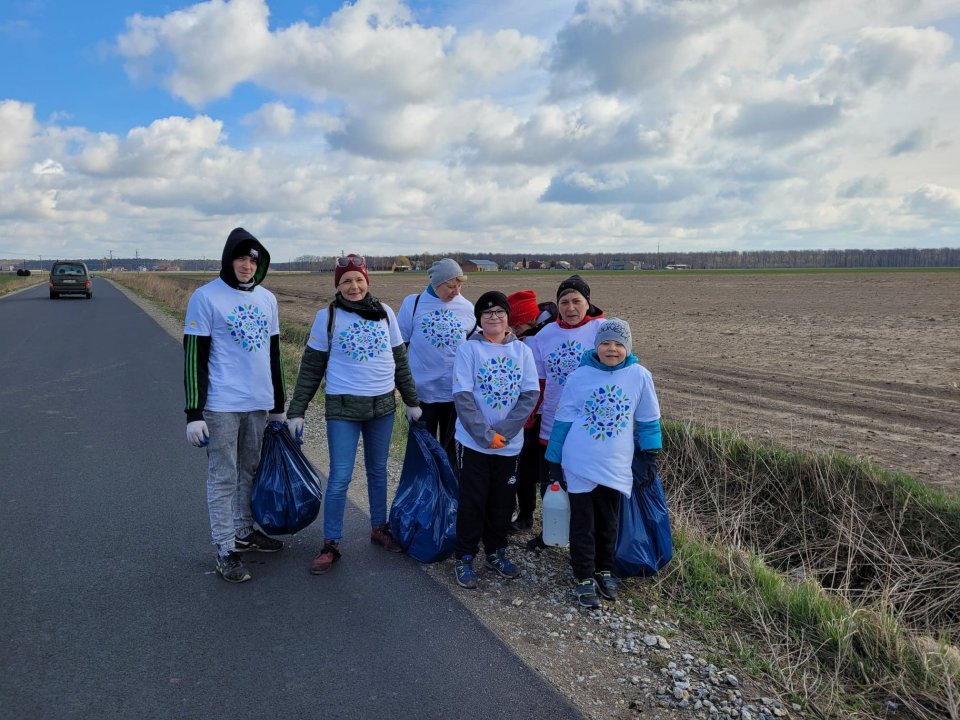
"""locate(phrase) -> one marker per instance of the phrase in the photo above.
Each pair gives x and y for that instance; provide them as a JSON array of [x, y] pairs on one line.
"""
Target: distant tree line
[[718, 260]]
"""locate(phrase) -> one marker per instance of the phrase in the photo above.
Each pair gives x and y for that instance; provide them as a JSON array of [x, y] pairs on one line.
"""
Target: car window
[[70, 270]]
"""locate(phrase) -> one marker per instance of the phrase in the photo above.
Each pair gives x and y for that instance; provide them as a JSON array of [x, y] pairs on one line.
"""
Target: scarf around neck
[[370, 308]]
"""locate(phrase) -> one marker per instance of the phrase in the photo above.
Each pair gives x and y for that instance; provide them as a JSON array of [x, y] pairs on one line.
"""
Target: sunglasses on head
[[355, 260]]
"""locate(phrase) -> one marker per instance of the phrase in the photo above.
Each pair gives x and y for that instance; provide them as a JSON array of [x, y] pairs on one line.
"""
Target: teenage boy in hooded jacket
[[234, 386]]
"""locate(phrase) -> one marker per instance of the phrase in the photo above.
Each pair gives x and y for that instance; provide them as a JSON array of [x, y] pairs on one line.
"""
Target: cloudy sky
[[384, 126]]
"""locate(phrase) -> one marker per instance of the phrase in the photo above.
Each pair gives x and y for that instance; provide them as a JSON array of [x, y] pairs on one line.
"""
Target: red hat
[[350, 263], [523, 307]]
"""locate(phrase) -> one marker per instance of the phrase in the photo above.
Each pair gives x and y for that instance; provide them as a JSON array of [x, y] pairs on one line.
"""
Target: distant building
[[561, 265], [536, 264], [479, 266], [587, 266], [616, 265], [677, 266]]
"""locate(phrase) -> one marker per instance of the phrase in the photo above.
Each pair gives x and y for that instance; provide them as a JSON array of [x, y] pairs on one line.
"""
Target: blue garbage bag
[[287, 490], [644, 540], [423, 517]]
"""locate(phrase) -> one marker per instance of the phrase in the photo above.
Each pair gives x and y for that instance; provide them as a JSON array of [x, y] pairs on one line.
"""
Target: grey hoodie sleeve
[[472, 419], [512, 424]]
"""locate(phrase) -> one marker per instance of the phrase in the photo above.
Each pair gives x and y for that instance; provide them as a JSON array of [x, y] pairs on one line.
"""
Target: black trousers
[[594, 517], [440, 419], [531, 471], [486, 501]]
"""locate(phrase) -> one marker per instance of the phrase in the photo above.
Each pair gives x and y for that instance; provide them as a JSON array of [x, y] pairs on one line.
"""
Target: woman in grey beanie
[[434, 323]]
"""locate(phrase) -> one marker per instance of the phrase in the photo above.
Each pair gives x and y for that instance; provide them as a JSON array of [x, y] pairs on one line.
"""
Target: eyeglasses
[[491, 314], [355, 260]]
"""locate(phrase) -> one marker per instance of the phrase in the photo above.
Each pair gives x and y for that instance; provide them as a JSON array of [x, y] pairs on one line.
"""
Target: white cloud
[[17, 126], [705, 123]]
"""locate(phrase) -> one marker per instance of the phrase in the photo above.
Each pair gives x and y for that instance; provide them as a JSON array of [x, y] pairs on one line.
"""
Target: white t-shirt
[[434, 330], [602, 407], [558, 352], [496, 375], [361, 359], [239, 325]]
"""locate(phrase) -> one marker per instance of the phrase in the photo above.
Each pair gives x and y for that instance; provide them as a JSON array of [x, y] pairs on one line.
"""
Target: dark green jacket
[[313, 366]]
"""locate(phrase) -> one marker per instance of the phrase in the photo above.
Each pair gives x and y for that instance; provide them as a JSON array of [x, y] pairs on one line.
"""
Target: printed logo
[[512, 480], [498, 380], [249, 327], [442, 329], [363, 340], [564, 360], [193, 323], [606, 412]]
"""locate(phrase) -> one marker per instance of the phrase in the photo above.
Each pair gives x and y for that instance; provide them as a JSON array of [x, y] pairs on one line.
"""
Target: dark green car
[[70, 277]]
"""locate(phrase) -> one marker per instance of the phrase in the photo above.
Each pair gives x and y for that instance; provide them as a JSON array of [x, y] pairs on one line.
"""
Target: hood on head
[[240, 237]]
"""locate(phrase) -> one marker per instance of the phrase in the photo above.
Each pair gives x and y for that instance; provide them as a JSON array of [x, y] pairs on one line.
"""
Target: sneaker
[[230, 568], [606, 585], [327, 557], [256, 541], [499, 562], [536, 543], [463, 570], [381, 536], [520, 524], [587, 594]]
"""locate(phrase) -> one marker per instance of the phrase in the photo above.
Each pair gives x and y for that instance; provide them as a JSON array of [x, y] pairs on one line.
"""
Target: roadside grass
[[9, 283], [833, 578]]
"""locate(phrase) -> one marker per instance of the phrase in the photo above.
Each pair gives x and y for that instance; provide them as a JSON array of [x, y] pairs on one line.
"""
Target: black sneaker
[[256, 541], [606, 585], [230, 568], [520, 524], [587, 594], [536, 543]]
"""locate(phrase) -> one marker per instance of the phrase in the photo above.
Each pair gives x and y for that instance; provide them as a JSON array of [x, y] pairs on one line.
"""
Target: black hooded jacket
[[237, 237], [196, 376]]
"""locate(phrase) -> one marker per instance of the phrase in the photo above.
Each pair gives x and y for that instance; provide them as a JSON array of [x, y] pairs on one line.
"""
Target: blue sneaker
[[586, 591], [463, 569], [499, 562], [606, 585]]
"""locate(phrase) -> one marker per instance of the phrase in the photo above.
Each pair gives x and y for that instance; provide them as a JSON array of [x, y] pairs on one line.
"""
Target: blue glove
[[648, 466]]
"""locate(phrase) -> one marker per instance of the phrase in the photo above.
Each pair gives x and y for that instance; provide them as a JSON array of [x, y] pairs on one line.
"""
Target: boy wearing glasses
[[234, 386], [495, 388], [434, 323]]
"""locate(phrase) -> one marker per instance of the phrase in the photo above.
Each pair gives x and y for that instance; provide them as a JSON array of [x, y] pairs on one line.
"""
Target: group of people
[[519, 393]]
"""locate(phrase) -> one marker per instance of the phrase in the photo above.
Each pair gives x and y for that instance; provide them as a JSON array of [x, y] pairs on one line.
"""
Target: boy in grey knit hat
[[608, 416]]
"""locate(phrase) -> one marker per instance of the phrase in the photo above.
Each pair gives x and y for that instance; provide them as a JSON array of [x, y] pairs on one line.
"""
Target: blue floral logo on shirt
[[564, 360], [442, 329], [606, 412], [249, 327], [363, 340], [499, 382]]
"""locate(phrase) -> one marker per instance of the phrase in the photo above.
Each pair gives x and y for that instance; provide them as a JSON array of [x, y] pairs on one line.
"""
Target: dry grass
[[843, 572], [9, 283]]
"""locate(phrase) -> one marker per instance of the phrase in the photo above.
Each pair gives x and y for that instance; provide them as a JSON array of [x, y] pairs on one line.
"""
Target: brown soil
[[866, 363]]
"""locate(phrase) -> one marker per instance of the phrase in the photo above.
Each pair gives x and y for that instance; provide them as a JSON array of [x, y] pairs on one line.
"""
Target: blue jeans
[[232, 458], [343, 436]]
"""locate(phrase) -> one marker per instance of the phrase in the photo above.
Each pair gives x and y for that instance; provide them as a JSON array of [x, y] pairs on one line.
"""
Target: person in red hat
[[355, 343], [527, 318]]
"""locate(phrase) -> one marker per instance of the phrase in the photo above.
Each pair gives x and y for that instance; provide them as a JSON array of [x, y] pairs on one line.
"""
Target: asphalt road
[[110, 605]]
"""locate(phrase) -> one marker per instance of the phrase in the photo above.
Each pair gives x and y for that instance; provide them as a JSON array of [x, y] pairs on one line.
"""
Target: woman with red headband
[[356, 344]]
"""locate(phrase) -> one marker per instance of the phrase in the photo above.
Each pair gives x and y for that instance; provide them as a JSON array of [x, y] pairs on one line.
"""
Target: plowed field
[[867, 363]]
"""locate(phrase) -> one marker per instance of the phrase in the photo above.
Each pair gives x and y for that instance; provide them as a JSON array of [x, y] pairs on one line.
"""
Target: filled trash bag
[[644, 540], [423, 517], [287, 490]]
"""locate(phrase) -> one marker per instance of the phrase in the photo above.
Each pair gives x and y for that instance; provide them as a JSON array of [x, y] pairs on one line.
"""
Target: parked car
[[70, 277]]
